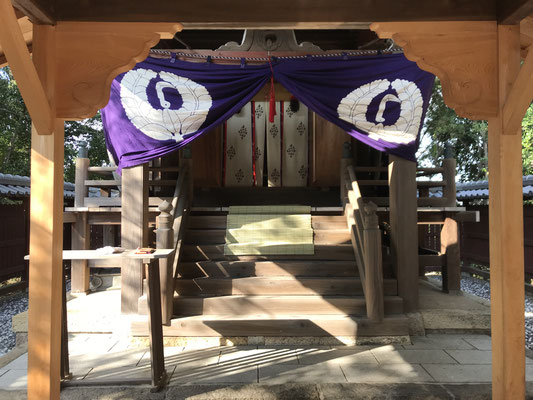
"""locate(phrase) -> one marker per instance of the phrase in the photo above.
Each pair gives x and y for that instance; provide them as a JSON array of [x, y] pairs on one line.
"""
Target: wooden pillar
[[506, 234], [373, 264], [449, 246], [80, 272], [46, 236], [404, 231], [134, 229]]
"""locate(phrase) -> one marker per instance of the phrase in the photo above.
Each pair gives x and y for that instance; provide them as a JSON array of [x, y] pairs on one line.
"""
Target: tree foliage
[[15, 134], [468, 139]]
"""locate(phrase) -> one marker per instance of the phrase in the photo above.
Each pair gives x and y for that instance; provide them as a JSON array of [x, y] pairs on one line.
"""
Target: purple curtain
[[163, 104]]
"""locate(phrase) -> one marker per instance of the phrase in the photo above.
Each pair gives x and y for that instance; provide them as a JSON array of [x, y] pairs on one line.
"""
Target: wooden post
[[449, 246], [134, 227], [373, 264], [165, 240], [449, 191], [82, 174], [186, 160], [403, 222], [46, 236], [345, 161], [80, 272], [506, 233]]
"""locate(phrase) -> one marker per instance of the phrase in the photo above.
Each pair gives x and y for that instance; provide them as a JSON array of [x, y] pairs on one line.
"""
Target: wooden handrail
[[366, 241], [170, 230]]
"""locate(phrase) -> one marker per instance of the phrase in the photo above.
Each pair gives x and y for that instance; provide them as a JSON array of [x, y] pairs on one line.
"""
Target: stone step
[[326, 327]]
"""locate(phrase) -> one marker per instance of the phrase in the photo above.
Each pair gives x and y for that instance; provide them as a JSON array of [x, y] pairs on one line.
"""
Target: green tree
[[527, 142], [15, 134], [468, 139]]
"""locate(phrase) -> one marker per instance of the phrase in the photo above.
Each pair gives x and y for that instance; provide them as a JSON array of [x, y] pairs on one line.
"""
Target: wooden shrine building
[[64, 60]]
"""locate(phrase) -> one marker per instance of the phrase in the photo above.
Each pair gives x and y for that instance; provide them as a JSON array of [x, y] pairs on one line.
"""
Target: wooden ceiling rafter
[[26, 28], [40, 12], [513, 11]]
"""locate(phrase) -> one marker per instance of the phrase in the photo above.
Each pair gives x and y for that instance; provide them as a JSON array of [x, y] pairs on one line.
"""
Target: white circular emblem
[[353, 109], [164, 123]]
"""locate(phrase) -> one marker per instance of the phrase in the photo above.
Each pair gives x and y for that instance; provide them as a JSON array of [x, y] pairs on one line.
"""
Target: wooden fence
[[475, 238], [14, 239]]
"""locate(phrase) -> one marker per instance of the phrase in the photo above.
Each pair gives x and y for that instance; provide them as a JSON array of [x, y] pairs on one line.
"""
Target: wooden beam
[[404, 230], [519, 98], [26, 27], [513, 11], [461, 54], [134, 230], [275, 13], [506, 234], [29, 84], [46, 238], [40, 11], [92, 54]]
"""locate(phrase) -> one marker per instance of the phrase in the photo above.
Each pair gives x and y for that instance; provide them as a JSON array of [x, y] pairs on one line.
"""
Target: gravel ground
[[481, 288], [10, 305]]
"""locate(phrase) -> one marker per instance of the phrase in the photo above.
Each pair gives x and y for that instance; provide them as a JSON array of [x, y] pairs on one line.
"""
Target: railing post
[[134, 229], [449, 191], [449, 246], [80, 272], [82, 172], [165, 240], [404, 235], [373, 263], [346, 160], [186, 160]]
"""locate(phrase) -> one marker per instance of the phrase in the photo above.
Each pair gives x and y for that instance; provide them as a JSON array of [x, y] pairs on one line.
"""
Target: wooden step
[[218, 236], [239, 269], [281, 326], [278, 305], [216, 253], [219, 222], [277, 286]]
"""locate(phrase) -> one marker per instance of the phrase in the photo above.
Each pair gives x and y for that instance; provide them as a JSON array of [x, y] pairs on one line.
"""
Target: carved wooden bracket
[[462, 54], [91, 54]]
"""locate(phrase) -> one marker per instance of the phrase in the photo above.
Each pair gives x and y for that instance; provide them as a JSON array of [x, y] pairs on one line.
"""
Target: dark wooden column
[[404, 230], [134, 227]]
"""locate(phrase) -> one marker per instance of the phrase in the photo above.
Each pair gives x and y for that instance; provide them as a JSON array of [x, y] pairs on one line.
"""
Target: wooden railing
[[447, 184], [366, 241], [169, 234]]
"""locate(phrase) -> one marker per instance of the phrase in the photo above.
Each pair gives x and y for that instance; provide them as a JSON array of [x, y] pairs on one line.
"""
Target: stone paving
[[438, 358]]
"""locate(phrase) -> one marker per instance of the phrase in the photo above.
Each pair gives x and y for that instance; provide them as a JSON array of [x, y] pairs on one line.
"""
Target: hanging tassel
[[272, 102]]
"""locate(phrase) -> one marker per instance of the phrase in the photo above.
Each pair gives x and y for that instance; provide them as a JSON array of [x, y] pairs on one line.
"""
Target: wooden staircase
[[283, 296]]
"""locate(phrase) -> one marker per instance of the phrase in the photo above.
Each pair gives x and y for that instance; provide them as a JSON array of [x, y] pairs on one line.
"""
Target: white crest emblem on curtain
[[353, 109], [164, 123]]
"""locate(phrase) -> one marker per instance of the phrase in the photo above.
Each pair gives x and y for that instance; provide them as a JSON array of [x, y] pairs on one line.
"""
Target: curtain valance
[[164, 104]]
